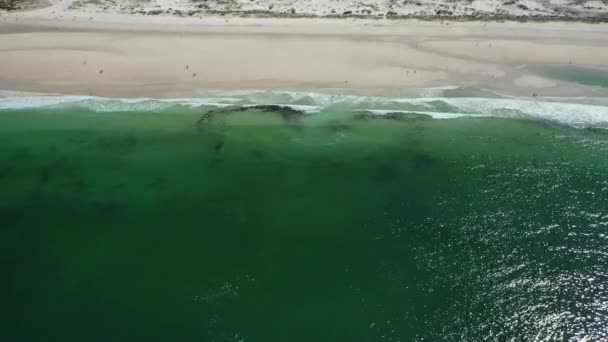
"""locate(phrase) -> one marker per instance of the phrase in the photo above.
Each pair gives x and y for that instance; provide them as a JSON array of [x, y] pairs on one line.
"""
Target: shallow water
[[266, 224], [585, 76]]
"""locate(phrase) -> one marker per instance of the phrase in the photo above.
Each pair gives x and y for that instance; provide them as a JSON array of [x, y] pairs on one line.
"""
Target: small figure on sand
[[187, 66], [101, 71], [193, 74]]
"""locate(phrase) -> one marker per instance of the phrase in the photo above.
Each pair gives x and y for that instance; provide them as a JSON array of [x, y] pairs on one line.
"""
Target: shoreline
[[584, 113]]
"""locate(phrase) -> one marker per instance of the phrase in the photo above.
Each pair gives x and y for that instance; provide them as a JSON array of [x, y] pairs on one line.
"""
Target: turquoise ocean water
[[256, 216]]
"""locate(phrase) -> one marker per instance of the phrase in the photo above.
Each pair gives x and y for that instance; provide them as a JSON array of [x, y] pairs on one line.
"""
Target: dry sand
[[167, 57]]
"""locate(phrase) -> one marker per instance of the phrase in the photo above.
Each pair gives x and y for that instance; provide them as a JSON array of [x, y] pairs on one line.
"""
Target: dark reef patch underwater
[[268, 224]]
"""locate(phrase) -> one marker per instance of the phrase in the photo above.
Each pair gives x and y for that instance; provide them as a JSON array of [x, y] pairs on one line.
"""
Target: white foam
[[436, 91], [301, 108], [575, 114], [295, 97], [103, 104], [19, 102], [434, 115]]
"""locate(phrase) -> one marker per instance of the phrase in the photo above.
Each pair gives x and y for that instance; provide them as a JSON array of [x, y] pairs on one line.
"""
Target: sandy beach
[[127, 55]]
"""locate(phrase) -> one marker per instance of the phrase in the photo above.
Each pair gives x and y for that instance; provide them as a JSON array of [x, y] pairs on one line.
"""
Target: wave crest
[[574, 114]]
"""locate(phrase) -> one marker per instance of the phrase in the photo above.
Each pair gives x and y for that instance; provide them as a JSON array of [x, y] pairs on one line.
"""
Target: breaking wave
[[575, 113]]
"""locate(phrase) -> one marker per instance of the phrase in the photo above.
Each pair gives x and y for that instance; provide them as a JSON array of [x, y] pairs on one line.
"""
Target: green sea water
[[266, 224], [584, 76]]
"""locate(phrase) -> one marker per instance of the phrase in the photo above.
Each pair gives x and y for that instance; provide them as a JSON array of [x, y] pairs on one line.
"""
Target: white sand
[[147, 56]]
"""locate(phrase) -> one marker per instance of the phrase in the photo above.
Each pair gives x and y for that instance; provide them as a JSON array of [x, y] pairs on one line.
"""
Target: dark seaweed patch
[[396, 116], [44, 176], [209, 116], [64, 173], [16, 163], [287, 113], [109, 211], [421, 160], [597, 131], [408, 117], [6, 170], [365, 116], [259, 155], [385, 172], [10, 216], [157, 182]]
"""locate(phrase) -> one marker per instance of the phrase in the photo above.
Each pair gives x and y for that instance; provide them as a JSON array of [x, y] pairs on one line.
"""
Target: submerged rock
[[396, 116]]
